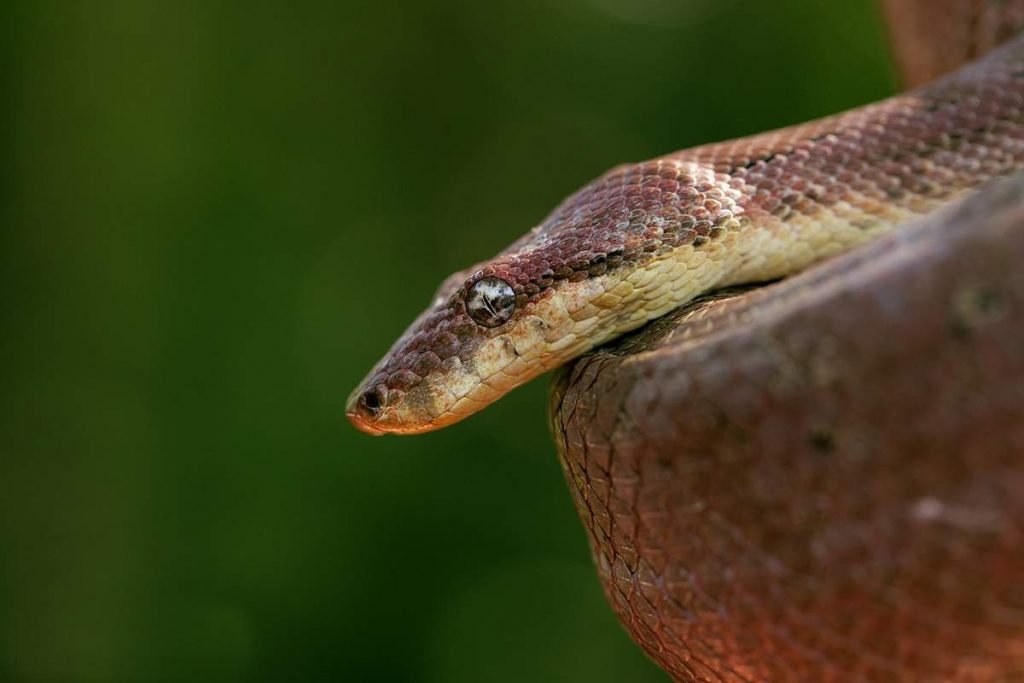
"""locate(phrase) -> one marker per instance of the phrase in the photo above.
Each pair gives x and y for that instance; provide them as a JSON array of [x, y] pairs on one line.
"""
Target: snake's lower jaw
[[397, 425], [362, 424], [388, 422], [428, 406], [387, 419]]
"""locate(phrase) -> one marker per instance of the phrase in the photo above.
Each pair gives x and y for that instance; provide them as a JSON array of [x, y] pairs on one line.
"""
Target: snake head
[[613, 256], [486, 332]]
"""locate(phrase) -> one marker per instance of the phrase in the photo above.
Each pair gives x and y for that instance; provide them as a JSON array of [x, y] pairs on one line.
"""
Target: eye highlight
[[490, 302]]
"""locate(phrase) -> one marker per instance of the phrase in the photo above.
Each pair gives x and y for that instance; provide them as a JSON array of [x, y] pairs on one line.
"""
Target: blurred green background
[[218, 215]]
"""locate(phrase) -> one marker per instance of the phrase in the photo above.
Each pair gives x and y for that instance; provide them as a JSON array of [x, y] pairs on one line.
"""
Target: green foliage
[[218, 215]]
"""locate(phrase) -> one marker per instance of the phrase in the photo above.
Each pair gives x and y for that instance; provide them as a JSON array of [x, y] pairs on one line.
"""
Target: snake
[[756, 510], [821, 479], [646, 238]]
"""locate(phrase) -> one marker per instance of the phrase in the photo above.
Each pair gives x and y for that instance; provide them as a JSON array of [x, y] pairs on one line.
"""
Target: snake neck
[[814, 190]]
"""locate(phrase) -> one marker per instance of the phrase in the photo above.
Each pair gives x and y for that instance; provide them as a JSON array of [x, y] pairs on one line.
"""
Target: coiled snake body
[[724, 563]]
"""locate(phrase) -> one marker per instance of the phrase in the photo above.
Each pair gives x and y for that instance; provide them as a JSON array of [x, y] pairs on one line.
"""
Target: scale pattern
[[822, 479]]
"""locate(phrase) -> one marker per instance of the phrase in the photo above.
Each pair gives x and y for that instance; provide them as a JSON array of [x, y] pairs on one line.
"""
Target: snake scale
[[823, 479], [709, 597]]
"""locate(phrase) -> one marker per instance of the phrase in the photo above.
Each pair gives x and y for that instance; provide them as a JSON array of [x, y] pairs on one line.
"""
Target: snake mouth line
[[367, 426], [362, 425]]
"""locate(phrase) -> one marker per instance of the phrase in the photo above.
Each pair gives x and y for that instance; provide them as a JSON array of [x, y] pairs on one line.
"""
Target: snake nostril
[[372, 401]]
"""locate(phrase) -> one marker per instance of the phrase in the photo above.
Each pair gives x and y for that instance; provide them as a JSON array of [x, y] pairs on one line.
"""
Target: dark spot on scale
[[757, 160], [510, 348], [822, 440], [977, 307]]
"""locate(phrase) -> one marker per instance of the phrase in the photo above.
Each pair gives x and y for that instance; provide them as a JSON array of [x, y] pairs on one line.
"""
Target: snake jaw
[[402, 414], [452, 389]]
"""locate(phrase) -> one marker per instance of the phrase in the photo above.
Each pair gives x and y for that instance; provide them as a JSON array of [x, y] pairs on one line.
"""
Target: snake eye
[[490, 302]]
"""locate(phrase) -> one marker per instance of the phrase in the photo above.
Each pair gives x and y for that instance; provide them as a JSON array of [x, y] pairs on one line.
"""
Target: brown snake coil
[[823, 480]]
